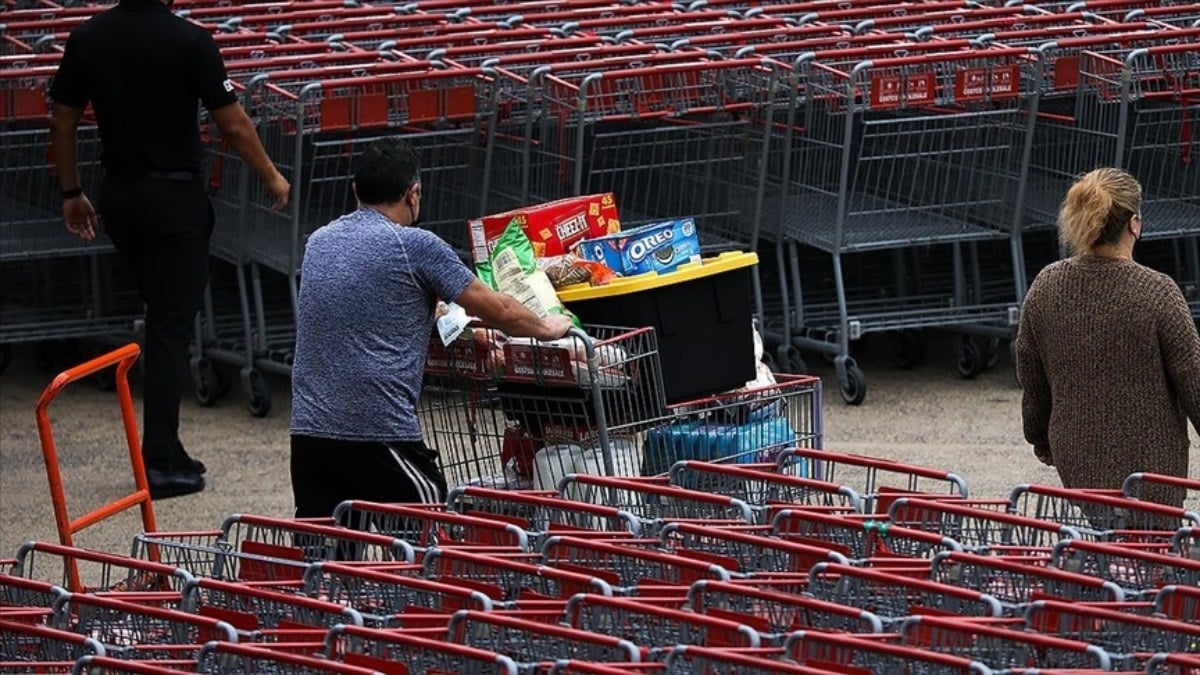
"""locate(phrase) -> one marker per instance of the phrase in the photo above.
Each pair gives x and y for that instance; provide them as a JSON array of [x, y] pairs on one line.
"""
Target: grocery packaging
[[659, 247], [569, 269], [512, 269], [553, 228]]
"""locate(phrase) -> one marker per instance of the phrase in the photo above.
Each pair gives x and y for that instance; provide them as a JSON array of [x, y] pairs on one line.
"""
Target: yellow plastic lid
[[725, 262]]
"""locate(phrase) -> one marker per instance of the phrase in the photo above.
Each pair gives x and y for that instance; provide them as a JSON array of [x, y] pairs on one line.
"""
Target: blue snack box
[[658, 247]]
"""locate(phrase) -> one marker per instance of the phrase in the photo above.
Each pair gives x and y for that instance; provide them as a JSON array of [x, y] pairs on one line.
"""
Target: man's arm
[[78, 214], [239, 131], [219, 96], [502, 311]]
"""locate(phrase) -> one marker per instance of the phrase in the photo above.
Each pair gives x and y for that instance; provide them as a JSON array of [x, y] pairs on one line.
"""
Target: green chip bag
[[512, 269]]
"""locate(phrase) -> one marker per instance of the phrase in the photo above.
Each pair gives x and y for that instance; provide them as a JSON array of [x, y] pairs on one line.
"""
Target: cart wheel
[[970, 358], [991, 353], [790, 360], [796, 363], [258, 394], [908, 349], [5, 356], [770, 361], [853, 385], [210, 384]]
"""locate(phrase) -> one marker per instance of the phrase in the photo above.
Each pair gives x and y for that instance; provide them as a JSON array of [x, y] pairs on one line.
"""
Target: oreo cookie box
[[659, 247]]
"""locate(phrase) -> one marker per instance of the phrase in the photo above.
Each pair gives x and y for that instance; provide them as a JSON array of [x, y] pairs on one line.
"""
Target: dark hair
[[385, 171]]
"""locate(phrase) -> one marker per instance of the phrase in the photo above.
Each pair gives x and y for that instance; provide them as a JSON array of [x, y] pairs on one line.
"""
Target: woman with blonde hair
[[1108, 356]]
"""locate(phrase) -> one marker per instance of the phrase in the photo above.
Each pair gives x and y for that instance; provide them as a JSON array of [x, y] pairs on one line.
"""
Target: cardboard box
[[553, 228], [660, 247]]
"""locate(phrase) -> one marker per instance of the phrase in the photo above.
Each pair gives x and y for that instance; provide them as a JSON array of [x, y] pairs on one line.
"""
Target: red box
[[461, 358], [553, 228]]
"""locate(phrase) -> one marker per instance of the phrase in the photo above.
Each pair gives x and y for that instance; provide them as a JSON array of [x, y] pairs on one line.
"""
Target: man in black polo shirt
[[144, 71]]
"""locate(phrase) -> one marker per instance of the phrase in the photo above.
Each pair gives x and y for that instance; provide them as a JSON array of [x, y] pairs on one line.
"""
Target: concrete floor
[[927, 416]]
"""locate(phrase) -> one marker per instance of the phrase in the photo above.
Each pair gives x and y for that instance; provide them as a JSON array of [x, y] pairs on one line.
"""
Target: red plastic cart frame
[[123, 358]]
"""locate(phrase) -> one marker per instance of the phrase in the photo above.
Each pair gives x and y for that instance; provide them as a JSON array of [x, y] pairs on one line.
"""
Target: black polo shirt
[[144, 70]]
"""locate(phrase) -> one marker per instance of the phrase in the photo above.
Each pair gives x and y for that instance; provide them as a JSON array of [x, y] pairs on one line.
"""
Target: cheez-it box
[[553, 227]]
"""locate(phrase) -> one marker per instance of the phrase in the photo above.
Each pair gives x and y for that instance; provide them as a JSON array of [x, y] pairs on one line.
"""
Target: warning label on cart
[[894, 91], [976, 84], [538, 363]]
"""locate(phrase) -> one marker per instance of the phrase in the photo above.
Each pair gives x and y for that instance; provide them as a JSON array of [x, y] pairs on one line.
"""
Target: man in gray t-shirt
[[368, 289]]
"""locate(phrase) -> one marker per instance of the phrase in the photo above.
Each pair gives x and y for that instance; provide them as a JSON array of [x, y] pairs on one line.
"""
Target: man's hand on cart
[[556, 326], [505, 313]]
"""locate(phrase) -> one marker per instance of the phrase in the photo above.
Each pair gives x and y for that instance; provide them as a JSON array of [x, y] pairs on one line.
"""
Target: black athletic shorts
[[327, 472]]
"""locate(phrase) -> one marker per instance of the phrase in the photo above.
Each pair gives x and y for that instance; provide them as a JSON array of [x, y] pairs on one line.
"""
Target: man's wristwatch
[[72, 194]]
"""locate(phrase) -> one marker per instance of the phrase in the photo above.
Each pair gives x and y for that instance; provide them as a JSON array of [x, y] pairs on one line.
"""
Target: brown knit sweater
[[1109, 363]]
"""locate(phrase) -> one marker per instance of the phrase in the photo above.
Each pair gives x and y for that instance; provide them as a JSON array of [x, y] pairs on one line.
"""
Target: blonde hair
[[1097, 209]]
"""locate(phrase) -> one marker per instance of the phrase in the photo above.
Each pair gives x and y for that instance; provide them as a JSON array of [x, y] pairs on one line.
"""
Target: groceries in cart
[[658, 247], [553, 228]]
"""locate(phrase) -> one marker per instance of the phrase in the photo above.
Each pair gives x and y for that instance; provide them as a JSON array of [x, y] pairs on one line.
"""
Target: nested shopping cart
[[504, 413], [55, 285], [1002, 646], [930, 153], [1016, 583]]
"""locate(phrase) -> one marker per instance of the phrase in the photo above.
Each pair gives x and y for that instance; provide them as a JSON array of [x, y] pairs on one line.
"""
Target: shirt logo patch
[[228, 84]]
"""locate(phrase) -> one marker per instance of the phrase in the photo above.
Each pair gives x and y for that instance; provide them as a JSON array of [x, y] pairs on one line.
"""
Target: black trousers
[[327, 472], [161, 228]]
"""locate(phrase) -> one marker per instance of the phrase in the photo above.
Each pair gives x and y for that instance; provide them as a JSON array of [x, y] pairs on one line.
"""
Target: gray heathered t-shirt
[[368, 289]]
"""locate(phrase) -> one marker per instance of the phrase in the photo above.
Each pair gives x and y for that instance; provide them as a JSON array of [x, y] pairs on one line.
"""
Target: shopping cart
[[1139, 572], [628, 568], [267, 615], [386, 596], [221, 658], [425, 525], [544, 514], [765, 488], [838, 651], [865, 541], [1128, 637], [1001, 646], [684, 660], [1183, 492], [35, 647], [777, 611], [139, 631], [265, 549], [1100, 515], [516, 583], [85, 571], [1181, 603], [748, 554], [656, 503], [580, 401], [381, 650], [877, 481], [894, 598], [1015, 584], [529, 642], [90, 665], [658, 629], [1172, 664], [982, 530]]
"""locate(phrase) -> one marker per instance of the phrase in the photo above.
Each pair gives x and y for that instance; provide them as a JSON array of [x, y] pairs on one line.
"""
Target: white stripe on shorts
[[426, 490]]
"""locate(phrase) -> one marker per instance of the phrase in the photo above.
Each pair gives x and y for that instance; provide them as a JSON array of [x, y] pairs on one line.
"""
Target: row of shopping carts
[[901, 160], [877, 567]]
